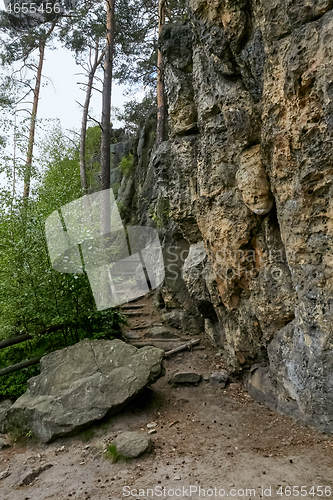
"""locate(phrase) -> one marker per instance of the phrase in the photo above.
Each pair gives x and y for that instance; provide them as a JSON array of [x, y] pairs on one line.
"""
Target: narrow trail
[[206, 435], [146, 326]]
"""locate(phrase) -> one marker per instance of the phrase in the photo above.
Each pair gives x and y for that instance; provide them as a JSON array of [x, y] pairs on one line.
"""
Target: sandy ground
[[206, 437]]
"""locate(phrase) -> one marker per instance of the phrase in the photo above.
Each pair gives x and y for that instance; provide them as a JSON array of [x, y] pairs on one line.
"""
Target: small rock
[[152, 431], [60, 450], [220, 377], [32, 475], [132, 335], [235, 387], [184, 378], [174, 318], [4, 442], [4, 474], [151, 425], [161, 332], [177, 478], [206, 378], [132, 444]]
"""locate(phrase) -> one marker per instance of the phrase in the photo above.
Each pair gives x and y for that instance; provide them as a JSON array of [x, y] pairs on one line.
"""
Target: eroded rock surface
[[245, 182], [179, 378], [81, 384]]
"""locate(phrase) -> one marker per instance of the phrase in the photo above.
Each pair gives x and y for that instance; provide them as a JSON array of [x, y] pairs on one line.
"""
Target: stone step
[[136, 314], [163, 332], [134, 301], [130, 335], [166, 345], [132, 307]]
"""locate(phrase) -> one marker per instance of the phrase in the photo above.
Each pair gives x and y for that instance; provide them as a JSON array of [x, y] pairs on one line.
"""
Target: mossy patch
[[112, 454]]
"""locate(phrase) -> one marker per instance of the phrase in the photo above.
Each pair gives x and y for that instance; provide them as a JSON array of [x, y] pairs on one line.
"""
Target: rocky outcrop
[[82, 384], [243, 189]]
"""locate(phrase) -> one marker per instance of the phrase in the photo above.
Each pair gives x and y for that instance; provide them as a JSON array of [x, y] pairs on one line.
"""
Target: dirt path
[[207, 436]]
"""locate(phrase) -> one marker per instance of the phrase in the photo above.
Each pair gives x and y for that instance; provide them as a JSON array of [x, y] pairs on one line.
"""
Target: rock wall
[[243, 188]]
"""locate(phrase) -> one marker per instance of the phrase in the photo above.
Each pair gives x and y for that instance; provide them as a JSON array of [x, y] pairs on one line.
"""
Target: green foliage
[[123, 210], [113, 455], [135, 114], [115, 188], [33, 296], [12, 386], [127, 164], [93, 152], [160, 214], [19, 435]]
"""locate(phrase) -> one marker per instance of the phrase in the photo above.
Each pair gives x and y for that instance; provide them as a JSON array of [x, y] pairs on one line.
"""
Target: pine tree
[[25, 35], [106, 96]]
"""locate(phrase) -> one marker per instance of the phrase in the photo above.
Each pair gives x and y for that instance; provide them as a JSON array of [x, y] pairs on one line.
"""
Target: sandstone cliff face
[[243, 189]]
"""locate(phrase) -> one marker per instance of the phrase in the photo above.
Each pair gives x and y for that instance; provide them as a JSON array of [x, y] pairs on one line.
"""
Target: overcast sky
[[58, 98]]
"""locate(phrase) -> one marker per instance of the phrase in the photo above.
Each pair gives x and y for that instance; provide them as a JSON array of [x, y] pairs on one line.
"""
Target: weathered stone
[[81, 384], [151, 425], [220, 377], [176, 45], [161, 332], [174, 318], [133, 335], [185, 378], [4, 474], [132, 444], [199, 279], [4, 442], [4, 407], [213, 331], [252, 181], [28, 477]]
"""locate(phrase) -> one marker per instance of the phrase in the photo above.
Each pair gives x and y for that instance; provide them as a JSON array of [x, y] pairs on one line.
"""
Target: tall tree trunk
[[31, 143], [161, 107], [14, 159], [83, 168], [106, 100]]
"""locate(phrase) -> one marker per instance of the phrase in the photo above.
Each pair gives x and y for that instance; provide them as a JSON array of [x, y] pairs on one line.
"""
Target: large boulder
[[82, 384]]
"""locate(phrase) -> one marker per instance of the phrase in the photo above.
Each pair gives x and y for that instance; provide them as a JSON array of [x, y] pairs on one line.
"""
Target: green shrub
[[127, 164], [113, 455], [33, 296]]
